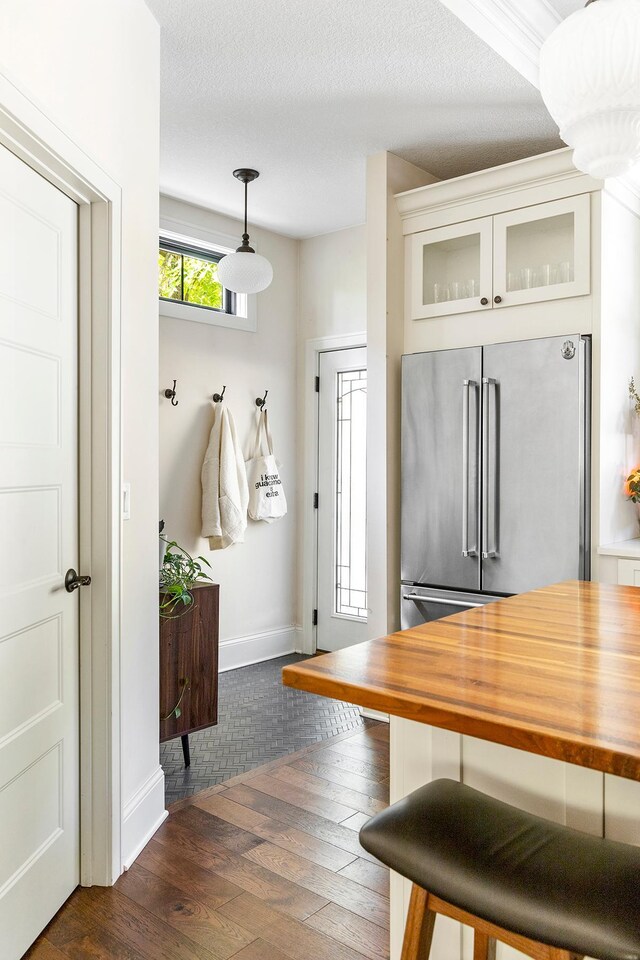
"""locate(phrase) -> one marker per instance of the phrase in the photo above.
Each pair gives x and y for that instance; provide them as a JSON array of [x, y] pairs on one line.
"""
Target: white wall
[[333, 284], [93, 68], [618, 338], [257, 578], [386, 176]]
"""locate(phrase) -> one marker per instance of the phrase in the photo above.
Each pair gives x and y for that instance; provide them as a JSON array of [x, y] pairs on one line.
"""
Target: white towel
[[225, 493]]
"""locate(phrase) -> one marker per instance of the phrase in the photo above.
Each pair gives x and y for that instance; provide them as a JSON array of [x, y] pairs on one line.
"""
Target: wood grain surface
[[239, 872], [555, 671], [189, 655]]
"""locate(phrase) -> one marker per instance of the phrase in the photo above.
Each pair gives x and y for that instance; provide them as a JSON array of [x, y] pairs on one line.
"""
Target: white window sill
[[214, 318]]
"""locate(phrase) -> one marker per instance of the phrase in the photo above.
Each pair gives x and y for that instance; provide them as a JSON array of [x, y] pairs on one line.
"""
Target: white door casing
[[39, 635], [338, 628]]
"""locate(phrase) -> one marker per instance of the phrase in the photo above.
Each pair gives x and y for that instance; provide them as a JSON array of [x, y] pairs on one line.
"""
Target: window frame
[[229, 298], [194, 235]]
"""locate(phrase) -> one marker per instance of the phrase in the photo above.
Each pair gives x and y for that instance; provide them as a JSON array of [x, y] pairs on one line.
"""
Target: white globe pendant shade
[[245, 272], [590, 82]]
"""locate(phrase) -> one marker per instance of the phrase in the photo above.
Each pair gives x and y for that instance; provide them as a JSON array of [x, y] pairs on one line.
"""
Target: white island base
[[579, 797]]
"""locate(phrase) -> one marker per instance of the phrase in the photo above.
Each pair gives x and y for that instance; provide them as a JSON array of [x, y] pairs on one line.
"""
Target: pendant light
[[590, 83], [245, 271]]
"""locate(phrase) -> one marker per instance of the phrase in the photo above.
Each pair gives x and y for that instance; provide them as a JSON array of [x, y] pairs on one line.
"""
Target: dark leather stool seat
[[548, 883]]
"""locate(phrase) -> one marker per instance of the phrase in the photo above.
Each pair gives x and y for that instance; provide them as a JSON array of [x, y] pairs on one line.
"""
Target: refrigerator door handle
[[445, 603], [467, 551], [487, 551]]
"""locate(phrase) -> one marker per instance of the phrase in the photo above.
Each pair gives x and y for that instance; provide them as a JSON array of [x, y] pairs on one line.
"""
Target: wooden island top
[[555, 672]]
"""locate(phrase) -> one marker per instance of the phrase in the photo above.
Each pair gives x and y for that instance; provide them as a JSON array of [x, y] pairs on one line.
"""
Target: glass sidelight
[[351, 494]]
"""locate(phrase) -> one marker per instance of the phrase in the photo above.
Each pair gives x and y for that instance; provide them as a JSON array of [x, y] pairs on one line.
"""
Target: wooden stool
[[549, 891]]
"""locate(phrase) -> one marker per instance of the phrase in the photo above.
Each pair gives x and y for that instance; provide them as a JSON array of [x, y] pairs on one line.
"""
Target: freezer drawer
[[421, 604]]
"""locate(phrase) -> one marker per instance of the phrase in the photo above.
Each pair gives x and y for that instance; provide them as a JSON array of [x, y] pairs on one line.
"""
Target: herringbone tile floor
[[259, 720]]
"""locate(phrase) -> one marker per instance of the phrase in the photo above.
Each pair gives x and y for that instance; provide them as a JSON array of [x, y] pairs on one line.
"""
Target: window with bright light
[[190, 275]]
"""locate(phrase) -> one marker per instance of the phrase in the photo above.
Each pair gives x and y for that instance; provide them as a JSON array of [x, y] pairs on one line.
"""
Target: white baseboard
[[243, 651], [142, 815]]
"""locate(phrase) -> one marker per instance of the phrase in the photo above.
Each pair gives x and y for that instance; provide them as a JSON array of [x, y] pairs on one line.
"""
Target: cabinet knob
[[497, 299], [484, 301]]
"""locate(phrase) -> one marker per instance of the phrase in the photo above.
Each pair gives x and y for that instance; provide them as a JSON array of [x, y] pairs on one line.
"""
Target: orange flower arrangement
[[632, 485]]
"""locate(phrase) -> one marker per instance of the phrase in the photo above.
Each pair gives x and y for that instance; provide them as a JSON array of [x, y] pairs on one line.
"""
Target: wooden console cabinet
[[189, 668]]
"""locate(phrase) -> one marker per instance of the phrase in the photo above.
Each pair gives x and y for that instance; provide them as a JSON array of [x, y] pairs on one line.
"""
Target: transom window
[[189, 274]]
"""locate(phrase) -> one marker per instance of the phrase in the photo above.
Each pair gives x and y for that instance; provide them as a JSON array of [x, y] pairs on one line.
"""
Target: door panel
[[39, 659], [440, 404], [342, 574], [533, 459]]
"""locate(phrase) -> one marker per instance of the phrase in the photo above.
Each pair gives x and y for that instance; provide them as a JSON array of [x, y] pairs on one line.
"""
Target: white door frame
[[312, 351], [30, 135]]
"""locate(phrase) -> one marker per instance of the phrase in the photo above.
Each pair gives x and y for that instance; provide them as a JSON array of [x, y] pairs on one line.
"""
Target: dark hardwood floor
[[266, 866]]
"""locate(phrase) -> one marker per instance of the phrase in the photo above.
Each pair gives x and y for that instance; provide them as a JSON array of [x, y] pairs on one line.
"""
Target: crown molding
[[515, 29], [503, 181]]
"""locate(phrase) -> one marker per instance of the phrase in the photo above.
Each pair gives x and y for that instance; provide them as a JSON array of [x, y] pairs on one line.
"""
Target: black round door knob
[[497, 299], [73, 580], [484, 301]]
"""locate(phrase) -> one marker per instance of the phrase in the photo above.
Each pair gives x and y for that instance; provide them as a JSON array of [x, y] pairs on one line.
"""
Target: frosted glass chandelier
[[590, 82], [245, 271]]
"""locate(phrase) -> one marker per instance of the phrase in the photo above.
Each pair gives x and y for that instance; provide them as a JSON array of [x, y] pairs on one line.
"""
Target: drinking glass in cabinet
[[451, 269], [540, 252]]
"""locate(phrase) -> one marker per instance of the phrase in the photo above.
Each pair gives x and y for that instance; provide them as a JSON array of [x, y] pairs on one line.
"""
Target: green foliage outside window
[[189, 279]]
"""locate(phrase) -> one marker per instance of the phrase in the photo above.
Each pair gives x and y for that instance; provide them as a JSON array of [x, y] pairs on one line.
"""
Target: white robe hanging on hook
[[224, 483]]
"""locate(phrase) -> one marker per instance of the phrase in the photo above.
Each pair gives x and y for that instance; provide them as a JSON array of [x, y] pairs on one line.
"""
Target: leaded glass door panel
[[342, 573]]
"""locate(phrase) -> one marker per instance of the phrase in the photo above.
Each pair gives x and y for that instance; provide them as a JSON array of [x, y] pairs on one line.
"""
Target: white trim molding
[[515, 29], [312, 351], [34, 138], [242, 651], [508, 187], [140, 811]]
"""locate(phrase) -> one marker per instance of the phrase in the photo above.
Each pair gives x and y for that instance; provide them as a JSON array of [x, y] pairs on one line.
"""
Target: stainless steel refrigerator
[[495, 472]]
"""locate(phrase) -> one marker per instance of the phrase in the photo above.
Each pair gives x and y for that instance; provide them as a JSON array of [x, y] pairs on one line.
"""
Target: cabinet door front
[[451, 269], [542, 252]]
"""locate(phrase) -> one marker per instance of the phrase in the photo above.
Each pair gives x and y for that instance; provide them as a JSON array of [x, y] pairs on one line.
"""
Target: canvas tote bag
[[266, 493]]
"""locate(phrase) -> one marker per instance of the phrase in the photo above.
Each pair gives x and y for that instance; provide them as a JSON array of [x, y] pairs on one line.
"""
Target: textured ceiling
[[305, 92]]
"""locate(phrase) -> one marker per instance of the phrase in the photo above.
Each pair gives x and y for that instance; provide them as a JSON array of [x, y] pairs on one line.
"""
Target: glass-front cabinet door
[[542, 252], [451, 269]]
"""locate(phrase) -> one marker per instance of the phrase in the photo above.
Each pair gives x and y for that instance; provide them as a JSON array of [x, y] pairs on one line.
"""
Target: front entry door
[[39, 658], [342, 500]]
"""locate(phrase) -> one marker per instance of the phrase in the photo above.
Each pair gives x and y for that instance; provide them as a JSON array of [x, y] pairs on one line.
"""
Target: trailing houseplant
[[178, 573]]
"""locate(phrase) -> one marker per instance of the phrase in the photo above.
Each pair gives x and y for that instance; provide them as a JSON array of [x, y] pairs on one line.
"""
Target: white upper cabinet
[[452, 269], [542, 252], [537, 253]]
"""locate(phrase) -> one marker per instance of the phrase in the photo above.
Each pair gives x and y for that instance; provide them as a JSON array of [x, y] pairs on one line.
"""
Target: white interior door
[[39, 656], [342, 516]]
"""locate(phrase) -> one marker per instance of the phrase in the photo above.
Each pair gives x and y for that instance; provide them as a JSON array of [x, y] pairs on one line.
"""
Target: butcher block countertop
[[555, 671]]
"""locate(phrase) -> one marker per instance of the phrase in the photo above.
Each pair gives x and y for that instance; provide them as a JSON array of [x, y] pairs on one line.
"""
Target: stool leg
[[419, 929], [484, 946]]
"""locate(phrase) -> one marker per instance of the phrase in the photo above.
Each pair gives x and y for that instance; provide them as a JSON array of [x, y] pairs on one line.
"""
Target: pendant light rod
[[245, 175]]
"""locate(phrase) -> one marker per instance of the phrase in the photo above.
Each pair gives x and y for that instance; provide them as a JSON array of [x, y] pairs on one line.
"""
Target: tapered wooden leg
[[484, 946], [418, 932]]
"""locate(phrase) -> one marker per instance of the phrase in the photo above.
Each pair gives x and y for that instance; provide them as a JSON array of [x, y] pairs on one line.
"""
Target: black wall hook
[[171, 395], [260, 401], [218, 397]]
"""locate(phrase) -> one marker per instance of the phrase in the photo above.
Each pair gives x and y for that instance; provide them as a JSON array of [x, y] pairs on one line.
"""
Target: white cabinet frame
[[415, 257], [579, 206]]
